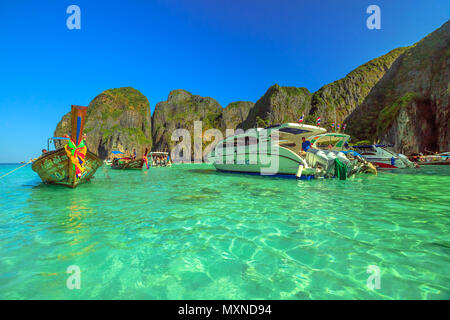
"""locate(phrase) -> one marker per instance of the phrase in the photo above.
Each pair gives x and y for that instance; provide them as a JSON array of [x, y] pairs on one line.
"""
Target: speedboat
[[382, 157], [277, 150]]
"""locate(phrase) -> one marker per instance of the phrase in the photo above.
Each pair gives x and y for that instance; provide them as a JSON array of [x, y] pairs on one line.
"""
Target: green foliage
[[362, 143], [126, 96], [212, 120], [345, 94], [134, 134], [108, 132], [317, 99], [389, 114], [310, 119], [294, 91], [261, 123]]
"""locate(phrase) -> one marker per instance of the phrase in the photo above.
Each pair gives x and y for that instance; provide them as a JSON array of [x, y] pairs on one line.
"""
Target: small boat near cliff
[[128, 163], [382, 157], [439, 159], [73, 164], [159, 159]]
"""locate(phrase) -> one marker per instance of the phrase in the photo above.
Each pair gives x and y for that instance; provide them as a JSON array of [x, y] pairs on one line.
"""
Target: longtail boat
[[73, 164], [159, 159], [128, 163]]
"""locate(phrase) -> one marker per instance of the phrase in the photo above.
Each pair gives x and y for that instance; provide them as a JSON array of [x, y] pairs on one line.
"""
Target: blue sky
[[229, 50]]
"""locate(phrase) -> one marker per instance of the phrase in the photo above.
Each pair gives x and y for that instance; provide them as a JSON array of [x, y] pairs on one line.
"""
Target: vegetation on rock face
[[278, 105], [117, 119], [400, 98], [333, 102], [179, 112], [390, 113], [409, 107], [344, 95], [235, 113]]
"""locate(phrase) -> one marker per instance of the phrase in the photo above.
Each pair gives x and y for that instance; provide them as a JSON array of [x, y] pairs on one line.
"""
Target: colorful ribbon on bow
[[77, 156], [145, 160]]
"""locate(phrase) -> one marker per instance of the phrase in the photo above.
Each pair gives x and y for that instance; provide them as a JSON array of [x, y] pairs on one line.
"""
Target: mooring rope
[[16, 169]]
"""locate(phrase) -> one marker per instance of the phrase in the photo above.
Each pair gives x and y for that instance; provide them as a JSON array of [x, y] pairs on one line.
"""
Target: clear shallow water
[[188, 232]]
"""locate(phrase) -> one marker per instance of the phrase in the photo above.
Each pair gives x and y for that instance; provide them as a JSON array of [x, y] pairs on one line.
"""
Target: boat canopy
[[336, 140], [116, 152], [298, 129], [158, 153]]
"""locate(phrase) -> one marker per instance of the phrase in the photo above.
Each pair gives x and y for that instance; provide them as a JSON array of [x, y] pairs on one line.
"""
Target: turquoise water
[[189, 232]]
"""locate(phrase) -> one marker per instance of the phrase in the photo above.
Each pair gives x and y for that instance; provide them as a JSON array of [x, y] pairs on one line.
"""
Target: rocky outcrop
[[287, 104], [278, 105], [117, 119], [235, 114], [409, 106], [345, 94], [399, 98], [180, 111]]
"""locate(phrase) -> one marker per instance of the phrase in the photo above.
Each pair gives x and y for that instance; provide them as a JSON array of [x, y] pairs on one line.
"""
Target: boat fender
[[299, 171], [304, 163]]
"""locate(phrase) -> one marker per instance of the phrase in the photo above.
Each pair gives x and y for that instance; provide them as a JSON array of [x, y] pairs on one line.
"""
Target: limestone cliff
[[235, 114], [409, 107], [117, 119], [180, 111], [345, 94], [278, 105]]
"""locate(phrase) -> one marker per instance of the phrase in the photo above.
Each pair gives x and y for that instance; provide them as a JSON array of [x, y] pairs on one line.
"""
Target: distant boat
[[433, 159], [159, 159], [128, 163], [56, 167], [382, 157]]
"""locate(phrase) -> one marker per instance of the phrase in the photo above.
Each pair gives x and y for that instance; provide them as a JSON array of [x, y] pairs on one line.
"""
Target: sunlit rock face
[[180, 111], [117, 119], [409, 107]]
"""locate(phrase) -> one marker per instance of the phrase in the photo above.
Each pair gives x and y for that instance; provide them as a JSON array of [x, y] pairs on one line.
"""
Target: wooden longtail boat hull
[[436, 163], [61, 166], [137, 164], [54, 167]]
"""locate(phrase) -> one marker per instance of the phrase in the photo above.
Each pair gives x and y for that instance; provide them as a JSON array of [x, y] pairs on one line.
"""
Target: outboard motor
[[330, 155], [316, 157]]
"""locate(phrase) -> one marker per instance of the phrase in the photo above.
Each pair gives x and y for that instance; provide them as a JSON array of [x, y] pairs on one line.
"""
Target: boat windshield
[[293, 130], [366, 150]]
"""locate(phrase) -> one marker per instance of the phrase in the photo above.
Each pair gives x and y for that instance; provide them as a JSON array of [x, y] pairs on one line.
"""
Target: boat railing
[[50, 140]]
